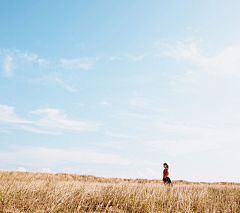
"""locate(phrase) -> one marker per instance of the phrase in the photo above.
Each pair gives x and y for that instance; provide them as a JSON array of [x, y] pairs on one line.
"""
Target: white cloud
[[32, 57], [217, 130], [104, 103], [65, 86], [8, 66], [172, 83], [29, 56], [78, 63], [189, 138], [56, 120], [138, 101], [119, 135], [87, 171], [42, 61], [137, 58], [183, 128], [112, 144], [47, 157], [50, 119], [7, 115], [175, 147], [41, 131], [227, 119], [21, 169], [21, 60], [46, 170], [4, 131], [114, 58], [135, 115], [225, 63], [183, 51]]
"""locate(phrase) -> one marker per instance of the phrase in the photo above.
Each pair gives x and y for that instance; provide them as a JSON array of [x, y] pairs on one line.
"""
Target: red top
[[165, 173]]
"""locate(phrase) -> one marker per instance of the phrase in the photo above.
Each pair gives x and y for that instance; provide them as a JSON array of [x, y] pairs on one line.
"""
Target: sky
[[117, 88]]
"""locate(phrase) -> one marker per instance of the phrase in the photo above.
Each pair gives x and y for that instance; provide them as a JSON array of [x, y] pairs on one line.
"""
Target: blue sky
[[117, 88]]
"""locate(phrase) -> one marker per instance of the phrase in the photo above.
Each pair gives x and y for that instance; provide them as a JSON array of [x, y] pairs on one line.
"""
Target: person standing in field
[[166, 178]]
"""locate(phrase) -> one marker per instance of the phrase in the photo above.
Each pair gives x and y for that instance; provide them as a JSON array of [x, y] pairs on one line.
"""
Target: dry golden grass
[[42, 192]]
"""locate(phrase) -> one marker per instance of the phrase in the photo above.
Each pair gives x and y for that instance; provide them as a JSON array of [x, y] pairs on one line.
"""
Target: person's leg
[[164, 180], [169, 181]]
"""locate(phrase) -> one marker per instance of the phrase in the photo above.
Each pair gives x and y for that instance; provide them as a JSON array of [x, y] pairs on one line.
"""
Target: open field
[[43, 192]]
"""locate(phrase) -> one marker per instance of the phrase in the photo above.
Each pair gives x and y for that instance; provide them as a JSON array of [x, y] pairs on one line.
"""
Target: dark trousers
[[167, 180]]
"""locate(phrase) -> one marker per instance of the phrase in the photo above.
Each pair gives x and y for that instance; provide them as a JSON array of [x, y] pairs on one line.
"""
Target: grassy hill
[[44, 192]]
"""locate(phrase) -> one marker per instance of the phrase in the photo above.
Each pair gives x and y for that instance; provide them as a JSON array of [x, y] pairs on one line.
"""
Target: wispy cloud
[[80, 104], [182, 51], [29, 56], [52, 121], [119, 135], [42, 61], [47, 157], [78, 63], [183, 128], [4, 131], [189, 138], [32, 57], [114, 58], [55, 119], [221, 129], [176, 147], [138, 101], [172, 83], [46, 170], [13, 59], [41, 131], [135, 115], [8, 66], [7, 115], [104, 103], [65, 86], [225, 63], [110, 144], [136, 58], [21, 169]]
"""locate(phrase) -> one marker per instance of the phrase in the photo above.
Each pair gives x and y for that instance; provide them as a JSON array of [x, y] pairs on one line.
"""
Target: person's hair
[[166, 164]]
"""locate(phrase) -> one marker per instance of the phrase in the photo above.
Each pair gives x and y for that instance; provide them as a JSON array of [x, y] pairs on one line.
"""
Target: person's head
[[165, 165]]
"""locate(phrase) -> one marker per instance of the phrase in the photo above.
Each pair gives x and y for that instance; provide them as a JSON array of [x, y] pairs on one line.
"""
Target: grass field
[[43, 192]]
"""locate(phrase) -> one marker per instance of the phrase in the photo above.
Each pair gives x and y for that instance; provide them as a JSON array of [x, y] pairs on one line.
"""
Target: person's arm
[[167, 173]]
